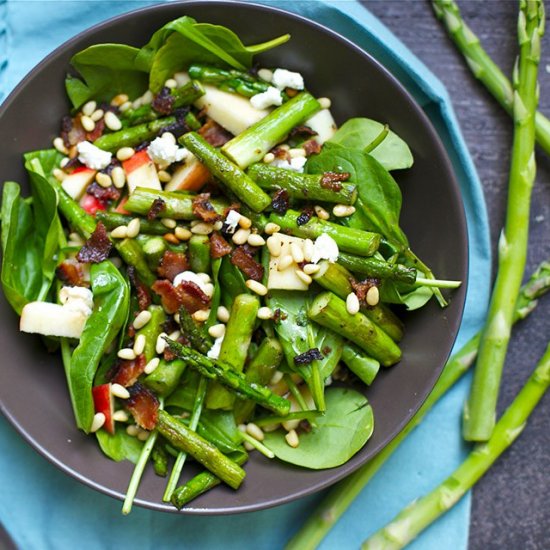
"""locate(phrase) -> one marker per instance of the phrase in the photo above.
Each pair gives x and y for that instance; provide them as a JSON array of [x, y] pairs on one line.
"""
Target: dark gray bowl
[[33, 393]]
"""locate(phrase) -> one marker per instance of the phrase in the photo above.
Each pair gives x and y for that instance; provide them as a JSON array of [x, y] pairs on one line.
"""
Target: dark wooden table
[[511, 504]]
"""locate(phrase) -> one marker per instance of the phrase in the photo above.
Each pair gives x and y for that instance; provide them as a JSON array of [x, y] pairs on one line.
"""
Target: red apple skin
[[91, 204], [135, 161], [104, 403]]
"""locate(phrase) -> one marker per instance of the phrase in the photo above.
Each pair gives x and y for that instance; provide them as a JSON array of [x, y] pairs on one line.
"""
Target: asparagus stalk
[[131, 253], [336, 502], [416, 517], [482, 66], [196, 334], [479, 413], [301, 186], [348, 239], [232, 380], [330, 311], [152, 330], [379, 269], [165, 378], [227, 172], [364, 367], [251, 145], [150, 227], [200, 260], [188, 441]]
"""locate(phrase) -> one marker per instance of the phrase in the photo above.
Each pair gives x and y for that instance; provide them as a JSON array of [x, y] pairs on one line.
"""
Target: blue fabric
[[29, 507]]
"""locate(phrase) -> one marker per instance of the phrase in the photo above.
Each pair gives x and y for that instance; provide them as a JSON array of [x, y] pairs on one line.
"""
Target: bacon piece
[[242, 258], [280, 202], [362, 287], [142, 292], [203, 209], [219, 247], [311, 147], [97, 132], [302, 131], [72, 131], [186, 294], [127, 371], [171, 264], [331, 180], [143, 405], [281, 153], [97, 248], [156, 208], [214, 134], [103, 193], [163, 102], [72, 273]]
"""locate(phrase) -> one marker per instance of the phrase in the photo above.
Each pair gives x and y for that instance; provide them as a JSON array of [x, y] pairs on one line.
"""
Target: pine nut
[[112, 121], [208, 289], [168, 222], [151, 365], [89, 108], [64, 162], [276, 378], [352, 303], [139, 344], [182, 233], [255, 431], [204, 277], [308, 250], [322, 214], [297, 252], [171, 83], [133, 228], [59, 144], [174, 335], [124, 153], [292, 439], [171, 238], [290, 425], [217, 331], [118, 176], [125, 106], [119, 391], [304, 276], [265, 313], [120, 416], [170, 136], [266, 74], [58, 174], [137, 103], [87, 123], [132, 430], [325, 102], [223, 314], [274, 245], [285, 262], [119, 99], [269, 158], [126, 353], [97, 115], [164, 176], [218, 225], [311, 269], [284, 147], [256, 287], [97, 422], [256, 240], [297, 153], [103, 179], [373, 296], [120, 232], [272, 228], [142, 319], [143, 435], [177, 317], [202, 228], [244, 222], [249, 447], [241, 236], [201, 316], [160, 344], [343, 210], [147, 97]]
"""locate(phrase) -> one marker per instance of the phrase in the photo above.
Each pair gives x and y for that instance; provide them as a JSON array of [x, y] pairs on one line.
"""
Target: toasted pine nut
[[256, 287], [142, 319], [171, 83], [311, 269], [266, 74], [87, 123], [164, 176], [112, 121], [256, 240], [120, 232], [58, 174], [171, 238], [64, 162], [139, 344], [132, 430], [133, 228], [276, 378], [284, 262], [373, 296], [151, 365], [297, 252], [265, 313], [119, 99], [97, 115], [292, 439], [118, 176], [255, 431], [143, 435], [182, 233], [352, 303], [120, 416], [223, 314], [216, 331], [244, 222], [125, 106], [59, 144], [147, 97], [269, 158], [304, 276], [343, 210], [272, 228], [124, 153], [160, 344], [322, 214], [120, 391], [97, 422], [202, 228], [308, 250], [240, 236], [202, 315], [103, 179], [89, 108], [274, 245], [126, 353], [168, 222], [296, 153], [325, 102]]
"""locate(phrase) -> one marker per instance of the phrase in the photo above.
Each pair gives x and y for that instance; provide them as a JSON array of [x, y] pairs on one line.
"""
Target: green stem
[[438, 283], [257, 445]]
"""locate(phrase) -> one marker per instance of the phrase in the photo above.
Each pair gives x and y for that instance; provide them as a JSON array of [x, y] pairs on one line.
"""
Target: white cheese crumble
[[77, 298], [324, 248], [93, 157], [214, 351], [193, 278], [272, 96], [232, 221], [164, 150], [287, 79], [297, 164]]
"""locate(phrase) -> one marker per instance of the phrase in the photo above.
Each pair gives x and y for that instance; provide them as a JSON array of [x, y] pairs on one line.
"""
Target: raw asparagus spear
[[483, 67], [364, 367], [333, 506], [480, 410]]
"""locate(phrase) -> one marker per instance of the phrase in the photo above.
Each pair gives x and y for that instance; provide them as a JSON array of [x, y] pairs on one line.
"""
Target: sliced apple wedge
[[191, 176], [323, 124], [52, 320], [104, 403], [76, 183], [141, 172]]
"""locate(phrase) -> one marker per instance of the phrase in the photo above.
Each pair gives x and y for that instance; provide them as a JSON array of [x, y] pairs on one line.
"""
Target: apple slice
[[104, 403], [52, 320], [92, 204], [191, 176], [76, 183], [141, 172]]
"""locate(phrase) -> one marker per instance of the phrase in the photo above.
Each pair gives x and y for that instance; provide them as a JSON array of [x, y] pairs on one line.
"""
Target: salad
[[215, 259]]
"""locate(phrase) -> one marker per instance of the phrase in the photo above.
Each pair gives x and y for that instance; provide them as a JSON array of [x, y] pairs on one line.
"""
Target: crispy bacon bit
[[331, 180], [362, 287], [143, 405], [307, 357], [311, 147], [186, 294], [279, 316], [214, 134], [156, 208], [169, 355], [219, 247], [142, 292], [97, 132], [163, 102], [280, 202], [242, 257], [203, 209], [171, 264], [126, 372], [97, 248], [72, 131], [281, 153], [103, 193], [302, 131], [305, 426], [72, 273], [305, 215]]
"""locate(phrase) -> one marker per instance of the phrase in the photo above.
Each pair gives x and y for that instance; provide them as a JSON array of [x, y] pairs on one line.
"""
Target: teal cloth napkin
[[43, 508]]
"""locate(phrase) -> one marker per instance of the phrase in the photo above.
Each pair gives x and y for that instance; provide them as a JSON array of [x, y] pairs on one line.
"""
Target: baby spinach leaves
[[120, 446], [343, 430]]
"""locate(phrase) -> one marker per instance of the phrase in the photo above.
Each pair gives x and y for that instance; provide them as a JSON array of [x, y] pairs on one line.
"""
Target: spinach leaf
[[105, 70], [119, 446], [343, 430], [379, 196], [219, 427], [111, 303], [413, 298], [357, 133]]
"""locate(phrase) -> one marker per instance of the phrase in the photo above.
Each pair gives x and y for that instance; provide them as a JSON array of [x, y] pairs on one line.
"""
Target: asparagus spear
[[196, 334], [348, 239], [483, 67], [301, 186], [479, 413], [232, 380], [188, 441], [343, 494], [150, 227], [251, 145], [379, 269], [364, 367], [165, 378], [152, 330], [330, 311], [200, 260], [416, 517]]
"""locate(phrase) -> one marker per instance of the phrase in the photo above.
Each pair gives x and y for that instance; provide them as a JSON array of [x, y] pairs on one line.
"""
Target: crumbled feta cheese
[[214, 351], [266, 99], [93, 157], [232, 221], [324, 248], [297, 164], [77, 298], [287, 79], [193, 278], [164, 150]]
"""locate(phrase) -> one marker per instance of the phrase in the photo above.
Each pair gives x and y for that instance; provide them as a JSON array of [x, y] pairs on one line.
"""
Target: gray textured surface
[[511, 505]]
